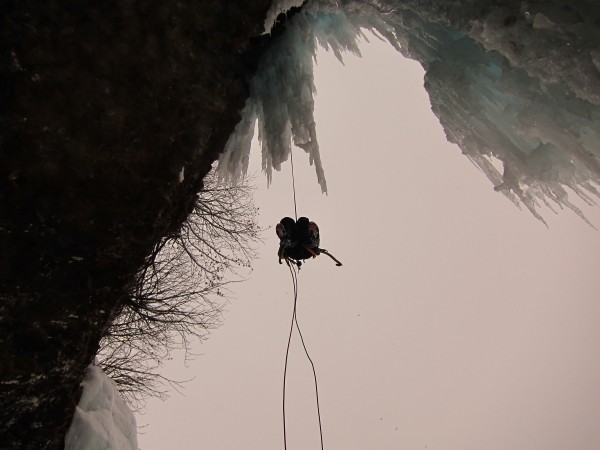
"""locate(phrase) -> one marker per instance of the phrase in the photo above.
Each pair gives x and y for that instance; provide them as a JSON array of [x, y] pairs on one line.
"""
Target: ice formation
[[514, 85], [102, 420]]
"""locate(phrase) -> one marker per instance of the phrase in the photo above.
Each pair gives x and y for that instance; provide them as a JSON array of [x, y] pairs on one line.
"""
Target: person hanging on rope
[[299, 240]]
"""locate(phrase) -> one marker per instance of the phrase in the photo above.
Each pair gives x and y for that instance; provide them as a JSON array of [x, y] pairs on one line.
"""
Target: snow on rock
[[278, 7], [102, 420], [517, 85]]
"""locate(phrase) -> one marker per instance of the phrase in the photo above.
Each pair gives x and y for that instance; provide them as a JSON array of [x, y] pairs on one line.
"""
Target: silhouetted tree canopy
[[178, 294]]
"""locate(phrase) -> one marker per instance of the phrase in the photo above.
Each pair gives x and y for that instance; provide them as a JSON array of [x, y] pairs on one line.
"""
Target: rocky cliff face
[[103, 107]]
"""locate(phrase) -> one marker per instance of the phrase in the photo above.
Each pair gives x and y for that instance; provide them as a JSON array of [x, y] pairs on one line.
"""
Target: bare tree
[[179, 293]]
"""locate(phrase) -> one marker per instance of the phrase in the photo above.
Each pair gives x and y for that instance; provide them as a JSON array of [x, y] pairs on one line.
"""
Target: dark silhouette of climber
[[299, 240]]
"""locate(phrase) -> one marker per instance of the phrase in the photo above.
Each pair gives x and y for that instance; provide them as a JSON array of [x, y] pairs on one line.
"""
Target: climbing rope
[[321, 250], [294, 273], [293, 183]]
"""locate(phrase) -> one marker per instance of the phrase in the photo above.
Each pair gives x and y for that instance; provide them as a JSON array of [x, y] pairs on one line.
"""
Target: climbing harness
[[294, 273]]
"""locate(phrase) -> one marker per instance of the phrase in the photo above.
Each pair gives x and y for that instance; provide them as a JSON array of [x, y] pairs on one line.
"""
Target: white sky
[[458, 321]]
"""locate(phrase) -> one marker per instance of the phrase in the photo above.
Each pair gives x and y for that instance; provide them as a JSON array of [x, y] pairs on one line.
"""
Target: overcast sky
[[458, 321]]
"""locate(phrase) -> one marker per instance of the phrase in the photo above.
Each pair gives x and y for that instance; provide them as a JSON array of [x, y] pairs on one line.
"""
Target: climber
[[299, 240]]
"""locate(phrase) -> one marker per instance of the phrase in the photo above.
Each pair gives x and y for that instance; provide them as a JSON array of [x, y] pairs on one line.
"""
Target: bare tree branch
[[178, 294]]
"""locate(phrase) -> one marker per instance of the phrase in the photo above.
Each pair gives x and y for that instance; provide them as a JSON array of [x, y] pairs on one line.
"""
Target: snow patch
[[102, 420]]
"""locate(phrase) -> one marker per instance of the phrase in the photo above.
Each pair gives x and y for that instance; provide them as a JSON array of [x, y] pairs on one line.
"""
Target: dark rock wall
[[102, 103]]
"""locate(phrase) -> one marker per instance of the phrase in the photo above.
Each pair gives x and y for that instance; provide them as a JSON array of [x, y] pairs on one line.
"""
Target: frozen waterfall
[[516, 87]]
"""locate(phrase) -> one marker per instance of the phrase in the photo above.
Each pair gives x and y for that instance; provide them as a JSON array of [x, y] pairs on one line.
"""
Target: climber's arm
[[281, 253]]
